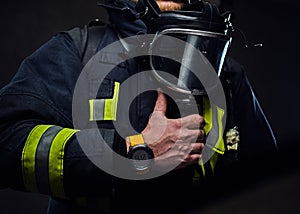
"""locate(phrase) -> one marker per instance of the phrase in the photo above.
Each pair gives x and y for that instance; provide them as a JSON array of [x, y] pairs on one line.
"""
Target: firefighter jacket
[[39, 145]]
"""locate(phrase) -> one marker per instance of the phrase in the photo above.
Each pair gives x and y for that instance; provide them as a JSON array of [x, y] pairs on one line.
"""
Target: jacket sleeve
[[39, 148], [257, 138], [257, 149]]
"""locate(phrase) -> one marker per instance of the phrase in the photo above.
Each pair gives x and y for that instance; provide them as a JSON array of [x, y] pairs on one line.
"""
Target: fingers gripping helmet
[[197, 23]]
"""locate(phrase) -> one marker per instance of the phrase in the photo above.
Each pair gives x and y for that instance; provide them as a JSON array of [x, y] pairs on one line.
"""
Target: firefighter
[[49, 140]]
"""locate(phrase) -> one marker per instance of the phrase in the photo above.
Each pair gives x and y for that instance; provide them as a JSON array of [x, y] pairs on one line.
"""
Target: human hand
[[173, 141]]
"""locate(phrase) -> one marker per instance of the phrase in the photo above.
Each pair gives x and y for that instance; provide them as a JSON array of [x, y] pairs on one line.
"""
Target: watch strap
[[136, 140]]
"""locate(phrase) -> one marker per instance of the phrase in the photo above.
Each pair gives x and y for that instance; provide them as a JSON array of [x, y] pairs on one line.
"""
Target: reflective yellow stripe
[[219, 147], [136, 139], [29, 154], [105, 109], [110, 105], [207, 114], [91, 102], [56, 158]]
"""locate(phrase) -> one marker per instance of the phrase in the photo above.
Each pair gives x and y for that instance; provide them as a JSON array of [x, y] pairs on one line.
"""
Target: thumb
[[161, 102]]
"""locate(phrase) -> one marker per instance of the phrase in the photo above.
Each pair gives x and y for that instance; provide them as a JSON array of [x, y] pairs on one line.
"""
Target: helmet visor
[[213, 46]]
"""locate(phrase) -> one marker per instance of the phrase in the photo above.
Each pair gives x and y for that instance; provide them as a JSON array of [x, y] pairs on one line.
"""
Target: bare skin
[[173, 140], [167, 5]]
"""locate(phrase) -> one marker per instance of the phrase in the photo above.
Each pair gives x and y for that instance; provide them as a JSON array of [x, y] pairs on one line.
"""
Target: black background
[[273, 71]]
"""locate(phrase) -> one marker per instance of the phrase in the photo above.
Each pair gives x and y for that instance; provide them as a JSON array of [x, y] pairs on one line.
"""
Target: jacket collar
[[125, 7], [125, 20]]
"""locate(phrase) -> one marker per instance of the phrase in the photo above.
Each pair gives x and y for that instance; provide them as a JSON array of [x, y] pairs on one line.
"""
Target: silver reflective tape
[[42, 158], [98, 112]]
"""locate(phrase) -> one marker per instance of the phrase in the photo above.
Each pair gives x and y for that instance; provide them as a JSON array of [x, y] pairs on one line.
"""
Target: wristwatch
[[141, 154]]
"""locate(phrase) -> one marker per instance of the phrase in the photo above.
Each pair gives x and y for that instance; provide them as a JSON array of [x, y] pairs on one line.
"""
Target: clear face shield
[[212, 46]]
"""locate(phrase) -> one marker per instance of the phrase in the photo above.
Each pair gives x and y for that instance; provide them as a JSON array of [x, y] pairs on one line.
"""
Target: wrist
[[148, 138], [127, 141]]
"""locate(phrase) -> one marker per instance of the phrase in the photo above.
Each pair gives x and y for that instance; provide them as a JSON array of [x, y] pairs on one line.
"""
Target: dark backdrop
[[272, 70]]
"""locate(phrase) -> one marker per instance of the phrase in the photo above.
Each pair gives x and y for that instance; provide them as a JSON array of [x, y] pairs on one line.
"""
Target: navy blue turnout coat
[[39, 149]]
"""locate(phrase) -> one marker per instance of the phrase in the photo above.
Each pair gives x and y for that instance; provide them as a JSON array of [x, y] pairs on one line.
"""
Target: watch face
[[142, 157]]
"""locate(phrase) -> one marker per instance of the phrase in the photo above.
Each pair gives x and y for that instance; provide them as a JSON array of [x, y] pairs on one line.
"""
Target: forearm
[[50, 160]]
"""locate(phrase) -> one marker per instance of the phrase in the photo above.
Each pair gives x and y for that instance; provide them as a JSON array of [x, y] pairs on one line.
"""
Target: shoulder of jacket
[[231, 65], [87, 37], [233, 74]]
